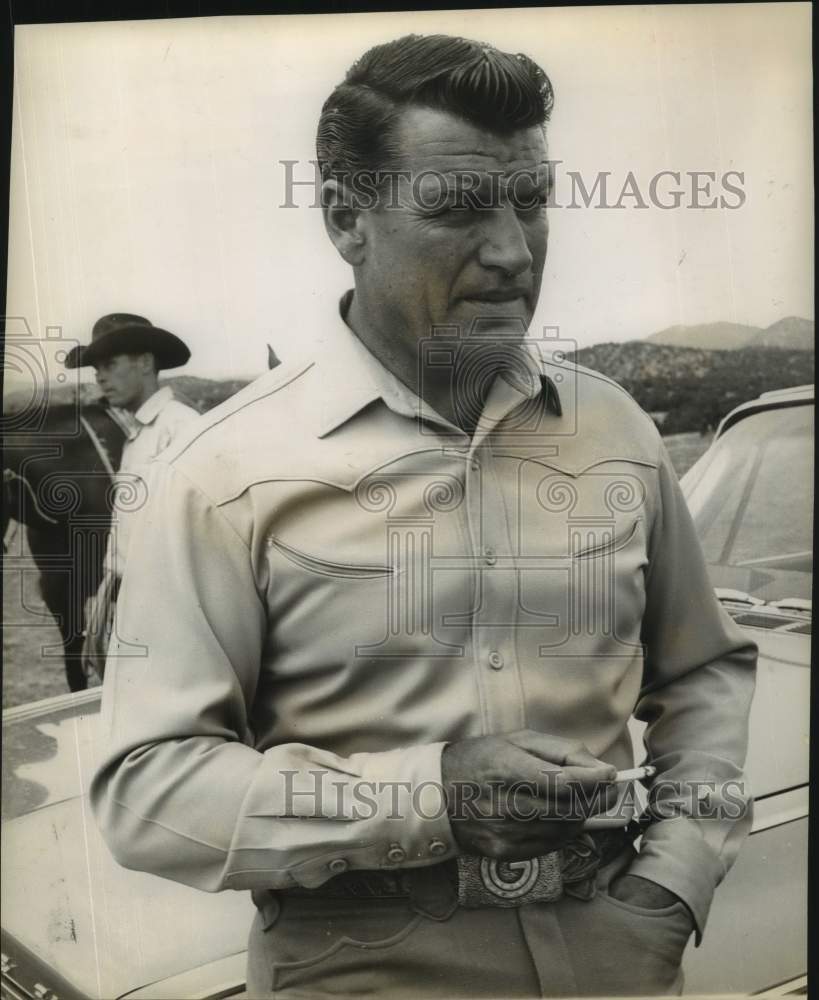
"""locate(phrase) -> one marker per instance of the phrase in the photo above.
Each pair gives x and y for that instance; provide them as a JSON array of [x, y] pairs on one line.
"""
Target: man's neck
[[403, 357], [148, 390]]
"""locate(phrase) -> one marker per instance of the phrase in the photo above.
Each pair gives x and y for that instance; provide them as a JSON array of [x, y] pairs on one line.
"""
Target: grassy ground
[[32, 671], [685, 449]]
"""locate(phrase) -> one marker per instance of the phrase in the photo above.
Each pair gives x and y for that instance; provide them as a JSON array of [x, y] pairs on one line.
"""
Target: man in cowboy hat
[[127, 353]]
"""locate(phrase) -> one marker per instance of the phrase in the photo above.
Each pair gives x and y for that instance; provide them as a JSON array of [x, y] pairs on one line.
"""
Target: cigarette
[[636, 773]]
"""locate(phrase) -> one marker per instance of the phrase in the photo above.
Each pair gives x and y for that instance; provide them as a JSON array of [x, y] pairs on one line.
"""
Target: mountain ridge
[[788, 333]]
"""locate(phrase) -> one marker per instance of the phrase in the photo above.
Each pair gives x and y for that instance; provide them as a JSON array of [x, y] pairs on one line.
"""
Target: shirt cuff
[[408, 822], [310, 814], [674, 855], [418, 831]]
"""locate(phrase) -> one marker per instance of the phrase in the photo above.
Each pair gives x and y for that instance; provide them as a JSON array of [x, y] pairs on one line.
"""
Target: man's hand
[[522, 794], [643, 892]]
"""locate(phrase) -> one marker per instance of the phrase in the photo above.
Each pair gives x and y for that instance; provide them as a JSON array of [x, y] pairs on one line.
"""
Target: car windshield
[[751, 498]]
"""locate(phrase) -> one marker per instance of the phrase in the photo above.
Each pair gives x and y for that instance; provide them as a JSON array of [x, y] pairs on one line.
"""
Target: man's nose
[[505, 245]]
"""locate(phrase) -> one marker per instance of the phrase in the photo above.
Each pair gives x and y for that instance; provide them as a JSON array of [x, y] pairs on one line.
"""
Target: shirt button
[[338, 865], [437, 847], [495, 660], [396, 854], [489, 556], [475, 465]]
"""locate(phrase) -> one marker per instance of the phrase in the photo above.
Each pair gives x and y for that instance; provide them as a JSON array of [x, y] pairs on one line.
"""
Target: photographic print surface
[[352, 459]]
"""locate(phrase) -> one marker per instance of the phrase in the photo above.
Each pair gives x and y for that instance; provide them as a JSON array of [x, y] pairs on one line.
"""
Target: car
[[75, 924], [751, 498]]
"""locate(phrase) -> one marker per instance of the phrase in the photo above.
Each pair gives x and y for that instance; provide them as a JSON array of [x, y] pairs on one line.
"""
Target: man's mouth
[[499, 295]]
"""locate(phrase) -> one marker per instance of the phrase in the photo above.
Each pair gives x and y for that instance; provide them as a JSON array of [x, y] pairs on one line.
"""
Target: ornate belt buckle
[[488, 882], [544, 879]]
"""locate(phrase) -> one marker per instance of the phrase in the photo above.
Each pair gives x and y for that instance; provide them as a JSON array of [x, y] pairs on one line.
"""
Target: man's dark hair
[[494, 90]]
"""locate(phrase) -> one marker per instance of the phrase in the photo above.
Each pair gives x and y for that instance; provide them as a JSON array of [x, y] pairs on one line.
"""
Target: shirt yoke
[[223, 451], [601, 421], [270, 430]]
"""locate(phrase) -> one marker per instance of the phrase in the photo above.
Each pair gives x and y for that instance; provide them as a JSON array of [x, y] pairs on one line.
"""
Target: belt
[[476, 881]]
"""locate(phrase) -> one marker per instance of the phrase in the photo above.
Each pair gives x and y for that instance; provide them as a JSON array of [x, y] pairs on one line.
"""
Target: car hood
[[105, 930], [779, 724]]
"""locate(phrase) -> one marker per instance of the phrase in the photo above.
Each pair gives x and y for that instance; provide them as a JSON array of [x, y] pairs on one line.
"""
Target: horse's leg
[[60, 601], [74, 673], [57, 587]]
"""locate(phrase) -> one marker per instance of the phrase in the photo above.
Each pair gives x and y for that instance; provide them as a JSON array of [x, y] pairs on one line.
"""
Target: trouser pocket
[[322, 947], [617, 948], [649, 944]]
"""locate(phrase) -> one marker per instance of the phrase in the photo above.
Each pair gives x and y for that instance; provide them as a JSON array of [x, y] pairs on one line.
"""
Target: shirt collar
[[358, 378], [154, 405], [355, 378]]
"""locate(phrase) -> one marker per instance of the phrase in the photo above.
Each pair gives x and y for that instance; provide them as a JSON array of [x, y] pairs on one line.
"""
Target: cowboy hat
[[124, 333]]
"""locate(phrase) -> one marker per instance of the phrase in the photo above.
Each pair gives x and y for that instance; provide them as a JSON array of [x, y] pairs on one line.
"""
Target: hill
[[708, 336], [204, 393], [690, 389], [791, 333]]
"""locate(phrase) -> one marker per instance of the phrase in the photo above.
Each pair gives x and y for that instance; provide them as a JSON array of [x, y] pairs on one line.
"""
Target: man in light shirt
[[127, 353], [401, 599]]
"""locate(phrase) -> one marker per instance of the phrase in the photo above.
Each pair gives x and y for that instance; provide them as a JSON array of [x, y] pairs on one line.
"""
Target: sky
[[147, 172]]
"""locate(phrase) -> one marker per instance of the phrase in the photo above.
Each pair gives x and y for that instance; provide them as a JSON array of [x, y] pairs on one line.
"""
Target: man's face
[[448, 255], [122, 379]]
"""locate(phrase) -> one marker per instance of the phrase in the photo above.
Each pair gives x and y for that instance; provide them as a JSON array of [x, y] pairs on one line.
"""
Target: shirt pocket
[[586, 540], [608, 545]]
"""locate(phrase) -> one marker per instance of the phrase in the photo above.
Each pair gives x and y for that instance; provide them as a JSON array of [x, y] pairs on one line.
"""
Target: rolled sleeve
[[182, 791]]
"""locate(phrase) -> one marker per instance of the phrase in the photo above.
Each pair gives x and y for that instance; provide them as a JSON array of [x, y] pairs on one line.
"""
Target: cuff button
[[396, 854], [437, 847], [338, 865]]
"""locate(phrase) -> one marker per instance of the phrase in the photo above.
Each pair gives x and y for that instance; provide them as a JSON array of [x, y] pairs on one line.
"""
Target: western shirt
[[149, 431], [330, 582]]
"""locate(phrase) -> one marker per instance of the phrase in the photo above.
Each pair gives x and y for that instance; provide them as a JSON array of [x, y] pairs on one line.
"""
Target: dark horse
[[57, 482]]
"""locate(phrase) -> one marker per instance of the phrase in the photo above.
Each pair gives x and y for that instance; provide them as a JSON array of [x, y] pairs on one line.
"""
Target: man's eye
[[452, 209], [531, 204], [469, 201]]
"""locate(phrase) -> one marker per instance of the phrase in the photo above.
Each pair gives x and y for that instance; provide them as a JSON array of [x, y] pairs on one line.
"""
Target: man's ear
[[343, 221]]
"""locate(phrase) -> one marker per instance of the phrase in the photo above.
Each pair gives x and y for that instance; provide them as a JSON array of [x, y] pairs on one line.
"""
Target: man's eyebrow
[[538, 172], [451, 186]]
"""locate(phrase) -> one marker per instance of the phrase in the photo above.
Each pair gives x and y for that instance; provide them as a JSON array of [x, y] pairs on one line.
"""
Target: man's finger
[[549, 782], [557, 750], [559, 810], [587, 776]]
